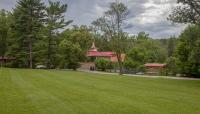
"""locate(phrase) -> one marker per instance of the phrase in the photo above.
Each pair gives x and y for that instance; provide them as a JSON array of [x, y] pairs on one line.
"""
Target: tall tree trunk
[[49, 50], [49, 54], [30, 55], [119, 58], [118, 41]]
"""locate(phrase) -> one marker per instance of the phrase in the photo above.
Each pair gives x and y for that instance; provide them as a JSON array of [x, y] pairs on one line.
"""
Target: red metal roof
[[99, 54], [155, 65]]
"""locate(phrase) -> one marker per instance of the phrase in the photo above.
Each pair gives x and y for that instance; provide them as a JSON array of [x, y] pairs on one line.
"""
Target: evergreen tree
[[28, 19], [55, 21], [3, 32]]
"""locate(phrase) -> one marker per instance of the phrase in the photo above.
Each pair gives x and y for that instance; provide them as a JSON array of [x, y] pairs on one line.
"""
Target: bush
[[141, 68], [103, 64], [70, 54], [172, 66], [110, 65], [134, 66], [163, 72], [130, 65], [73, 65]]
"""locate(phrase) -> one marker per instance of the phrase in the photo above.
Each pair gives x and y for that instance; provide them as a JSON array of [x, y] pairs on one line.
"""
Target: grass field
[[67, 92]]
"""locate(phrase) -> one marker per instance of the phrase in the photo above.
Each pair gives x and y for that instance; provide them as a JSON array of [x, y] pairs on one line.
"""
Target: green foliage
[[110, 25], [141, 68], [3, 32], [142, 36], [102, 43], [79, 35], [110, 65], [28, 18], [135, 58], [103, 64], [134, 66], [187, 51], [31, 33], [187, 12], [70, 54], [171, 46], [55, 22], [131, 65], [145, 50], [172, 67], [164, 72]]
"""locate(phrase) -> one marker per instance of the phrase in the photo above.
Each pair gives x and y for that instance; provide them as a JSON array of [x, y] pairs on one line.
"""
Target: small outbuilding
[[94, 54], [154, 68], [4, 59]]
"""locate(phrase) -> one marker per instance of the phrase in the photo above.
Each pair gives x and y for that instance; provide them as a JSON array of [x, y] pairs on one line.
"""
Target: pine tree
[[55, 21], [3, 32], [28, 20]]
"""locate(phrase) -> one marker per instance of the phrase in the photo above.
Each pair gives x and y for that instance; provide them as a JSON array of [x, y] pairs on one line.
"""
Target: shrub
[[130, 65], [103, 64], [110, 65], [73, 65], [141, 68], [172, 66]]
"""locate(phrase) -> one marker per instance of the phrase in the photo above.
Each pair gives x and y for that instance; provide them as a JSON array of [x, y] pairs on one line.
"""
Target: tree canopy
[[187, 12], [111, 25], [36, 33]]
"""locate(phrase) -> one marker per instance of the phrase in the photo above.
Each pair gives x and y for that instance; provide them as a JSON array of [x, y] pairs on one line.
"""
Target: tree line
[[39, 34]]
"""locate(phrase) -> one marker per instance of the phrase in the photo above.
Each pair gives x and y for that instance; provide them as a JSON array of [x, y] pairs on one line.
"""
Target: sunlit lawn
[[67, 92]]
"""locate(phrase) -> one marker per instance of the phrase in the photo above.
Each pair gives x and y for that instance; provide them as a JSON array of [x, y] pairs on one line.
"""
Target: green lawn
[[67, 92]]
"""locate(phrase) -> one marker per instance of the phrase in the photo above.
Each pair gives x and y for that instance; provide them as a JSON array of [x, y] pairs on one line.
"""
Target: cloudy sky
[[145, 15]]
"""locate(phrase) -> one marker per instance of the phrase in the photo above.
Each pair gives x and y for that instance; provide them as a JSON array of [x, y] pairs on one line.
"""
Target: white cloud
[[99, 10], [154, 12], [145, 15]]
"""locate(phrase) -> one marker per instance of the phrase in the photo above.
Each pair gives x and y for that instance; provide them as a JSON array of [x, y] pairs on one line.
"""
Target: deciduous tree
[[111, 24], [187, 51], [187, 12], [70, 54]]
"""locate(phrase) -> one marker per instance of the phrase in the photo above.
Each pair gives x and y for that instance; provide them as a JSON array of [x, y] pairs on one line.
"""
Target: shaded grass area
[[68, 92]]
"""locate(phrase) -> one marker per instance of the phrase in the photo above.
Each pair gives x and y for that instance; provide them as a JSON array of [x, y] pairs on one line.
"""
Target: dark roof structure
[[155, 65], [6, 58]]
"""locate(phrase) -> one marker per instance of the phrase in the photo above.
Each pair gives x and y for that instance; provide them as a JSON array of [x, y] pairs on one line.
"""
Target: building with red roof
[[155, 65], [154, 68], [94, 53]]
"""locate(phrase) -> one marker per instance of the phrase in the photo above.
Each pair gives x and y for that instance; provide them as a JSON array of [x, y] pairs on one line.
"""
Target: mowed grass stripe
[[12, 98], [44, 101], [78, 95], [61, 92], [171, 98]]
